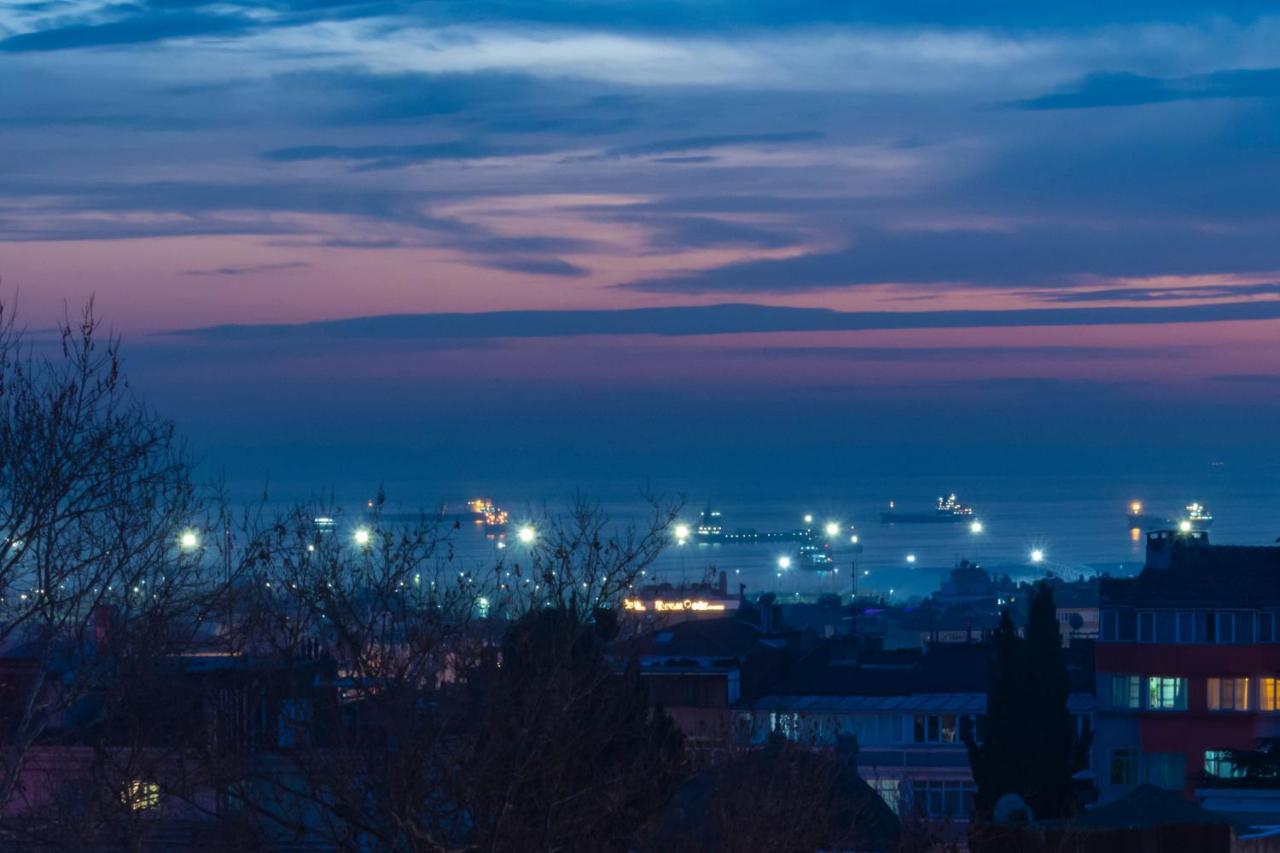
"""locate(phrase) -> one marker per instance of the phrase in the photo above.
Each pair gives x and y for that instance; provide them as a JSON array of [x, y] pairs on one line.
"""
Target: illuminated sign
[[698, 605]]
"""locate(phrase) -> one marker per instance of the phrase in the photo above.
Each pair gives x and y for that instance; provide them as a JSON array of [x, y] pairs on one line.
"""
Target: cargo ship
[[1138, 517], [949, 510], [1196, 517], [1199, 516]]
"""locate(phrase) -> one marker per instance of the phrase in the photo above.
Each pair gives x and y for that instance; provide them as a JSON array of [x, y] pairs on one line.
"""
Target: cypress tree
[[1026, 743]]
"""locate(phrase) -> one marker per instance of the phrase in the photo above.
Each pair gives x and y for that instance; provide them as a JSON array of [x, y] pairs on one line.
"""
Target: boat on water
[[711, 531], [1140, 518], [1196, 516], [1199, 516], [949, 510]]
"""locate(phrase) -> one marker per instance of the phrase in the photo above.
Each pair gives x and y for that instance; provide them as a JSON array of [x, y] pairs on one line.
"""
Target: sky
[[452, 243]]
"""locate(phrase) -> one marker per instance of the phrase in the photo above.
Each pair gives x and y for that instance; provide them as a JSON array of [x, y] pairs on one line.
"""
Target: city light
[[1184, 526], [808, 519], [1037, 556], [911, 558], [975, 527], [832, 528], [362, 536], [854, 539], [1135, 507], [784, 562], [189, 540], [682, 532], [527, 534]]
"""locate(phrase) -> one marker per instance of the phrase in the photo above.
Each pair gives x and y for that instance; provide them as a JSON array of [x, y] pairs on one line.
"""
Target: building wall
[[1153, 734]]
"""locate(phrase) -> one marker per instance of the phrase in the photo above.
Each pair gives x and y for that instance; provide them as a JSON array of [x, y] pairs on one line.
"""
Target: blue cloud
[[1025, 256], [1109, 89], [722, 320], [129, 31]]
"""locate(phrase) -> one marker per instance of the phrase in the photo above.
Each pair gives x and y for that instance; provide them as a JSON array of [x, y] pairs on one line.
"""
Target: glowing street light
[[363, 537], [911, 558], [975, 526], [833, 529], [808, 519], [189, 540], [784, 563], [1184, 526], [853, 539], [1037, 556], [527, 534], [682, 533]]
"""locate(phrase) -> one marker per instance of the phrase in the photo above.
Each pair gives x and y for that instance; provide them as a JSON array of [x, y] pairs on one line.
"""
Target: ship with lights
[[1196, 516], [486, 514], [948, 510]]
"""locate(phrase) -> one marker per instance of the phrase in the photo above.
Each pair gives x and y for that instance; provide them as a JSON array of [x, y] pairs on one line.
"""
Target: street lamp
[[911, 558], [527, 534], [975, 527], [1037, 556], [833, 529], [682, 533], [189, 540], [784, 563], [363, 537]]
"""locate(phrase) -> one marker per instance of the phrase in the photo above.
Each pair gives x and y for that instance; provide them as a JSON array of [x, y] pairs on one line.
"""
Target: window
[[1226, 627], [1126, 691], [140, 795], [1108, 624], [889, 791], [1186, 627], [787, 725], [1124, 767], [1165, 693], [939, 798], [1146, 627], [1217, 762], [1244, 627], [1269, 694], [1228, 694], [1166, 627], [935, 728], [1266, 627], [1167, 769]]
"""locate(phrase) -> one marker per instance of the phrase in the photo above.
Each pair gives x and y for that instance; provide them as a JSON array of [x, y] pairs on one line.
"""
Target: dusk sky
[[452, 241]]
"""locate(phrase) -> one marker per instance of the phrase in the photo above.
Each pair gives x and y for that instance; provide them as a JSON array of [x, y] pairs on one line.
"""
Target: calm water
[[1078, 522]]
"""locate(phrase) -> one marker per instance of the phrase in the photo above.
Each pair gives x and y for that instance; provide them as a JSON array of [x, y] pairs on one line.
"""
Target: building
[[906, 710], [698, 670], [1188, 663]]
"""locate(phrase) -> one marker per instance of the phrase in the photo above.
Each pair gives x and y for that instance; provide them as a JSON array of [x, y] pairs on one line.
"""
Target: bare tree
[[473, 706], [95, 568]]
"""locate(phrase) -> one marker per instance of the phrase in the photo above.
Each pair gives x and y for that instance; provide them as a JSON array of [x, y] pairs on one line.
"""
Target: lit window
[[1126, 691], [1228, 694], [1269, 694], [888, 789], [1217, 762], [1165, 693], [1124, 767], [139, 795]]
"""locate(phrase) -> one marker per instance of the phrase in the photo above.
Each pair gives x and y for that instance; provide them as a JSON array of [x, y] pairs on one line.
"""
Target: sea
[[1077, 524]]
